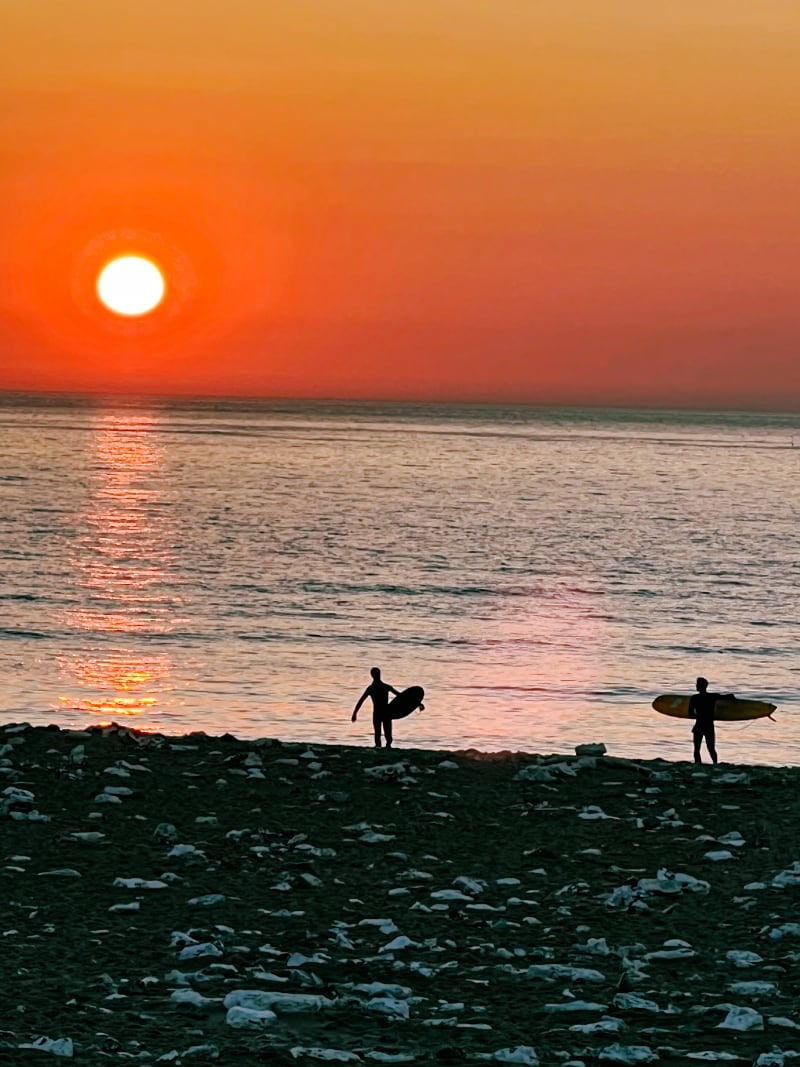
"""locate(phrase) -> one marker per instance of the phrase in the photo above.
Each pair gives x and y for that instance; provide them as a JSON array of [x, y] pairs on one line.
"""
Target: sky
[[569, 201]]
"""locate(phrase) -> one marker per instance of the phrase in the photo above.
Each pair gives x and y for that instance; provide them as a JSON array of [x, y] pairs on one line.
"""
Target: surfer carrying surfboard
[[379, 691], [701, 709]]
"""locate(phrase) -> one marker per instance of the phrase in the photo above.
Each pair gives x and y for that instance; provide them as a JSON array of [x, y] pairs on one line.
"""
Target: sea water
[[543, 573]]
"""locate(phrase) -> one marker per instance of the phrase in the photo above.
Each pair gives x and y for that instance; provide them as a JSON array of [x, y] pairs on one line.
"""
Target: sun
[[131, 285]]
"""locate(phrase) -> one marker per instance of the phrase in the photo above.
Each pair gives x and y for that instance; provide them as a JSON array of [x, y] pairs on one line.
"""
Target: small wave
[[10, 635]]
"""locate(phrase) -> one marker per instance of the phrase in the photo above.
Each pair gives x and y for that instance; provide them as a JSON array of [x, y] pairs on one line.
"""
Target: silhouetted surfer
[[379, 691], [701, 709]]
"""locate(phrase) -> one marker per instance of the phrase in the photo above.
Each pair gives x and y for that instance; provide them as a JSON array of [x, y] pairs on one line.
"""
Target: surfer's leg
[[387, 730], [711, 742], [697, 737], [376, 726]]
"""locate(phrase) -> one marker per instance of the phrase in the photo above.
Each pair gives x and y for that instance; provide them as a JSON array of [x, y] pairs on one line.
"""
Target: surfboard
[[730, 710], [406, 702]]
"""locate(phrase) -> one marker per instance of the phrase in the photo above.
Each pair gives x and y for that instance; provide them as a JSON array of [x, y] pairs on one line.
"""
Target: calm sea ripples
[[542, 573]]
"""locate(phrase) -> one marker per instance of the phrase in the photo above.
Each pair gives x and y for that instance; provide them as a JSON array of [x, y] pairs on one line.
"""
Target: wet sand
[[203, 899]]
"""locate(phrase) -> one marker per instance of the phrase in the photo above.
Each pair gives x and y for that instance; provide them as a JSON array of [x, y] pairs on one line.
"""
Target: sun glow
[[131, 286]]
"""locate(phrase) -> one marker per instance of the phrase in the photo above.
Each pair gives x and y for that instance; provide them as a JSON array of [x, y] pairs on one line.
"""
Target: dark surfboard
[[406, 702]]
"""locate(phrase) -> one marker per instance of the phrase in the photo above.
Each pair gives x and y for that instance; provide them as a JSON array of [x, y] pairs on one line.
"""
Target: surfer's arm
[[392, 689], [692, 712], [361, 700]]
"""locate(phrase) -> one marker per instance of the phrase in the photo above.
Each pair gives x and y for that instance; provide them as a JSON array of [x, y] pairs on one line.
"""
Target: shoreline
[[209, 899]]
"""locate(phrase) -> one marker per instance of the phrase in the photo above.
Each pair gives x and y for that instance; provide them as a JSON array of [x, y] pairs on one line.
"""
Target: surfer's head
[[375, 672], [701, 684]]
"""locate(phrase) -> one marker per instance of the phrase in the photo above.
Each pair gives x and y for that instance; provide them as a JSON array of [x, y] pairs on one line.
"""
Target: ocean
[[544, 573]]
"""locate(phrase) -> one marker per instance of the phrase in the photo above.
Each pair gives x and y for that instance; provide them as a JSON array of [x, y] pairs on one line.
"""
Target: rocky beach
[[197, 899]]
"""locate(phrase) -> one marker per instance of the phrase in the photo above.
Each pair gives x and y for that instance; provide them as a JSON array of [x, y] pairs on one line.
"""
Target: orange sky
[[544, 200]]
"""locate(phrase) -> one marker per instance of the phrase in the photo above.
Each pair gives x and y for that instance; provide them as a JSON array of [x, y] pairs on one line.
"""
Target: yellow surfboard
[[730, 710]]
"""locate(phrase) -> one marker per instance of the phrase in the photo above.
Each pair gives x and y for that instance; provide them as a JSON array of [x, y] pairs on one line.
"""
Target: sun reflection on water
[[125, 591]]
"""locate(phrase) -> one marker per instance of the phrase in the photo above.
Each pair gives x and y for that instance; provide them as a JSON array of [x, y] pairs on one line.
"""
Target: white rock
[[139, 883], [391, 1057], [563, 972], [753, 989], [390, 1006], [592, 811], [471, 885], [383, 989], [193, 998], [60, 1046], [741, 958], [569, 1006], [335, 1054], [248, 1018], [134, 905], [718, 855], [603, 1026], [282, 1003], [627, 1054], [399, 943], [789, 877], [741, 1019], [777, 933], [734, 839], [205, 948], [207, 901], [633, 1002], [182, 851], [60, 872], [524, 1054]]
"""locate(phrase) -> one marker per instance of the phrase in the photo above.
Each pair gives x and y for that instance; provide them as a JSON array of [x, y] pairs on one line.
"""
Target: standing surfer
[[379, 691], [701, 709]]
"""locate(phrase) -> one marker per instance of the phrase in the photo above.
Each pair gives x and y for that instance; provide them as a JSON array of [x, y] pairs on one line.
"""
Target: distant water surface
[[542, 573]]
